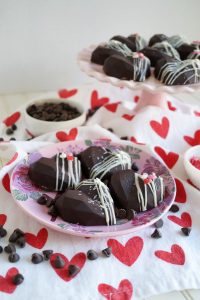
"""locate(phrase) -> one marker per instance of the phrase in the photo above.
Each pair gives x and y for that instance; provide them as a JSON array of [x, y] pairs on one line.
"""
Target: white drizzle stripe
[[194, 55], [57, 170], [113, 160], [167, 48], [63, 172], [177, 40], [140, 67], [119, 46], [105, 198], [172, 70]]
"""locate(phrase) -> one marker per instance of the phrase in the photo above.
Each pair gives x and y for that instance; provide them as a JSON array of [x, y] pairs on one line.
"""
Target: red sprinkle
[[195, 161], [147, 180], [70, 157]]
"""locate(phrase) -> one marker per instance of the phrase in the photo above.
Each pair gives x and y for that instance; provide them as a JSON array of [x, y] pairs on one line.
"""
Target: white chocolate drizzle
[[73, 171], [114, 159], [177, 40], [140, 66], [194, 55], [107, 203], [119, 46], [172, 70], [167, 48], [143, 199], [139, 41]]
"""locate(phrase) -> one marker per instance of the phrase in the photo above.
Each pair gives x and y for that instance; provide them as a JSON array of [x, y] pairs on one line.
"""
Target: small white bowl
[[38, 127], [193, 172]]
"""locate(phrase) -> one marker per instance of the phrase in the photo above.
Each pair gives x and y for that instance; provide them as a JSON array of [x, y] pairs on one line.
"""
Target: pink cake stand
[[153, 92]]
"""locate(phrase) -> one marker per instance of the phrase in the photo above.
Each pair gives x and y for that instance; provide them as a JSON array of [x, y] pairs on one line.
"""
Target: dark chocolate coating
[[124, 191], [123, 68], [185, 49], [125, 41], [138, 41], [101, 53], [160, 63], [157, 38], [76, 207], [153, 54]]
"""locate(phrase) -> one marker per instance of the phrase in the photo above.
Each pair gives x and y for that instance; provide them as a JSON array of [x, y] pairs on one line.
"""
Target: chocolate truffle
[[124, 41], [90, 204], [185, 49], [98, 162], [138, 41], [166, 48], [177, 40], [134, 191], [157, 38], [101, 53], [153, 54], [57, 173]]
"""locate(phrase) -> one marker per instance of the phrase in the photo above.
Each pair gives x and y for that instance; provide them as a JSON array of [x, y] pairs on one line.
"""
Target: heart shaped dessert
[[98, 162], [90, 204], [134, 191], [57, 173], [167, 48]]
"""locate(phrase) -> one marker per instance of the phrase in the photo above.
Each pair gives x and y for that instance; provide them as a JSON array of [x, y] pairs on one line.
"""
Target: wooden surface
[[10, 102]]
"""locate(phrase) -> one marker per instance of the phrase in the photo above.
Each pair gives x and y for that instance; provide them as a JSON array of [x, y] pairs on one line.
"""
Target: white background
[[40, 39]]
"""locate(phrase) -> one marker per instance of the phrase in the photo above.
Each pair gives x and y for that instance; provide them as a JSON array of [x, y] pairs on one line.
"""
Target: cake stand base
[[149, 98]]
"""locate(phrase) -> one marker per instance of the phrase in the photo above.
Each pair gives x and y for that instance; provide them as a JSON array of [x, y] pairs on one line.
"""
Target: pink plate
[[26, 193]]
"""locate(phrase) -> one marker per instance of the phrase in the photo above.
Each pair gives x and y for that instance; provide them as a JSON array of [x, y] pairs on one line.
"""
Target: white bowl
[[193, 172], [38, 127]]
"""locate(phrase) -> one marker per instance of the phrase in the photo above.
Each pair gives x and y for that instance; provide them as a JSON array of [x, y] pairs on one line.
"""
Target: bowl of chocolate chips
[[45, 115]]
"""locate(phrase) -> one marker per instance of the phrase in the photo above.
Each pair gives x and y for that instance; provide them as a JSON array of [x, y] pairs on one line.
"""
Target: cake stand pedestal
[[153, 92]]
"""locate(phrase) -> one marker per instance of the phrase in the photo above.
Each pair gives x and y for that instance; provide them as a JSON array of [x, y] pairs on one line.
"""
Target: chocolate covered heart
[[98, 162], [135, 191], [57, 173], [90, 204]]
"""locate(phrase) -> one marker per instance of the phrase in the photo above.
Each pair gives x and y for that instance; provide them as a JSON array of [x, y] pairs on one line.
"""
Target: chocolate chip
[[9, 131], [13, 257], [47, 254], [12, 139], [3, 232], [121, 213], [17, 279], [53, 211], [59, 263], [73, 270], [156, 234], [134, 167], [107, 252], [130, 214], [10, 248], [159, 223], [1, 139], [1, 249], [42, 200], [50, 201], [125, 138], [14, 127], [21, 242], [110, 129], [186, 230], [174, 208], [92, 255], [17, 233], [36, 258]]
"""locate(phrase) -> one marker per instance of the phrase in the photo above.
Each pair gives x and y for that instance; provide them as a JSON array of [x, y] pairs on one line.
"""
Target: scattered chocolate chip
[[125, 138], [21, 242], [3, 232], [159, 223], [130, 214], [10, 248], [1, 249], [14, 127], [110, 129], [36, 258], [13, 257], [42, 200], [12, 139], [17, 233], [1, 139], [59, 263], [17, 279], [134, 167], [92, 255], [186, 230], [156, 234], [50, 201], [47, 254], [121, 213], [73, 270], [53, 211], [107, 252], [174, 208], [9, 131]]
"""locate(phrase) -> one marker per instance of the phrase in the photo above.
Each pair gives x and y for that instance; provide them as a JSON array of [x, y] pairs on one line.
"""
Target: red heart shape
[[128, 117], [6, 183], [112, 107], [133, 139], [176, 256], [197, 113], [64, 93], [181, 196], [12, 119], [193, 141], [162, 128], [63, 136], [129, 253], [136, 99], [79, 260], [123, 292], [12, 159], [37, 241], [6, 284], [3, 219], [96, 101], [184, 221], [170, 159], [170, 106]]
